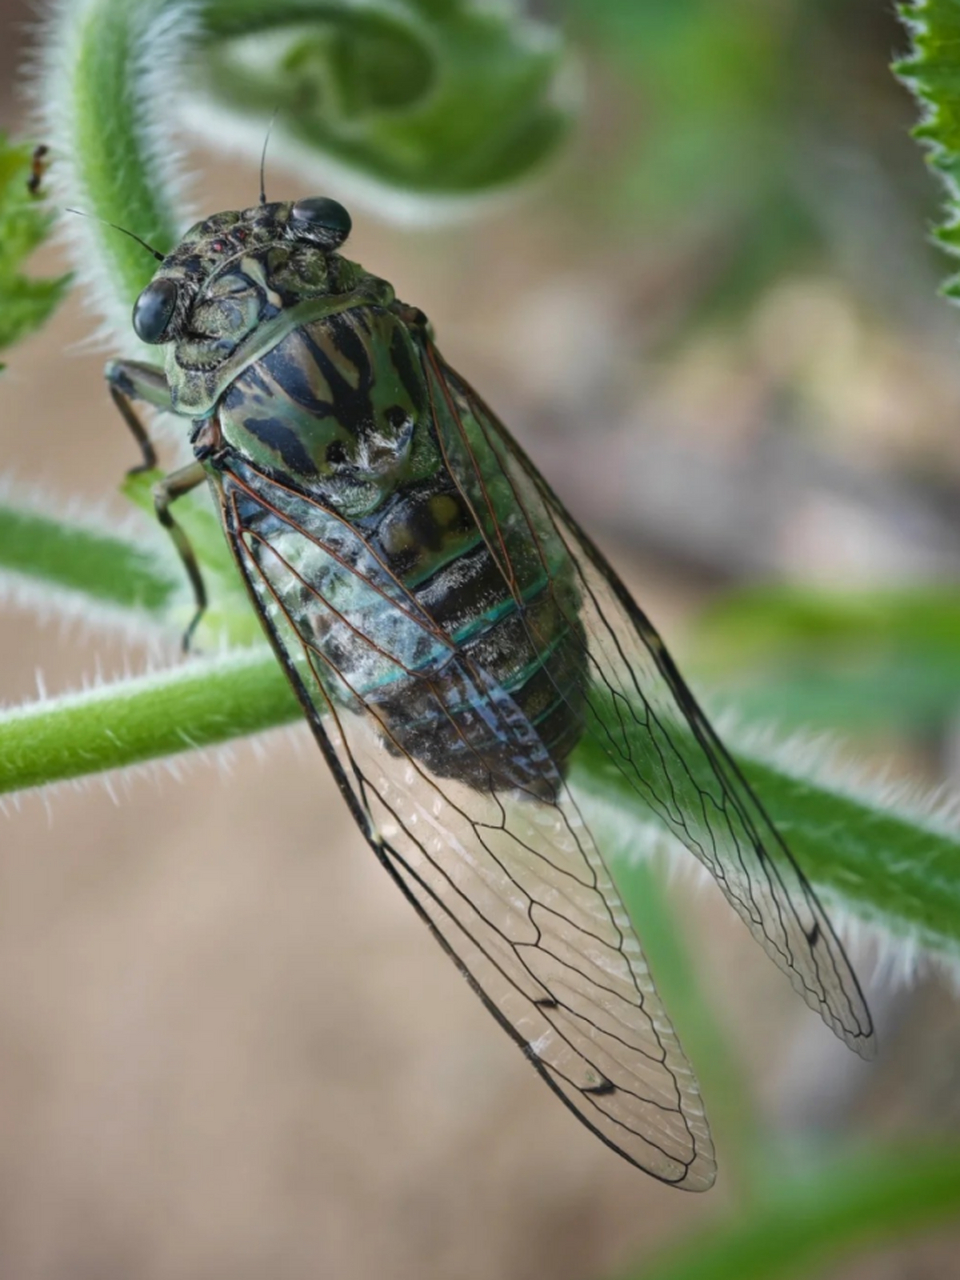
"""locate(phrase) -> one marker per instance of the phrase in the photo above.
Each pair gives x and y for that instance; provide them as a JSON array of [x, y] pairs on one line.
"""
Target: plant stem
[[199, 704], [101, 567], [733, 1119], [101, 94], [883, 868]]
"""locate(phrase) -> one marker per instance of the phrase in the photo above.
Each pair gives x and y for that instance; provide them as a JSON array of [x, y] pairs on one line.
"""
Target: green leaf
[[26, 302], [228, 618], [932, 70], [428, 97], [54, 556], [803, 1225], [434, 98], [859, 695], [755, 620]]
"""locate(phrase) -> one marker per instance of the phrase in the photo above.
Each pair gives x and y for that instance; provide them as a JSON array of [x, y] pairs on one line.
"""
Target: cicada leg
[[171, 487], [131, 382]]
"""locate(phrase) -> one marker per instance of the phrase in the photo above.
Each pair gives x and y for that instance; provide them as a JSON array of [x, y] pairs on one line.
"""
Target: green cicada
[[452, 636]]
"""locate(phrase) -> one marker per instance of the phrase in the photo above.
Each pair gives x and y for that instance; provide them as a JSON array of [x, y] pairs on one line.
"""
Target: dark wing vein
[[511, 884], [651, 730]]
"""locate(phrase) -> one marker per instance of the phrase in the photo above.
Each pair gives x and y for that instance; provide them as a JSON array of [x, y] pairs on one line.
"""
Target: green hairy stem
[[199, 704], [104, 64], [880, 860], [883, 867], [98, 567]]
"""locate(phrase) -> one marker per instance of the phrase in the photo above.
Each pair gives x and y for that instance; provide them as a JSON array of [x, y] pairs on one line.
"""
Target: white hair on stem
[[157, 33]]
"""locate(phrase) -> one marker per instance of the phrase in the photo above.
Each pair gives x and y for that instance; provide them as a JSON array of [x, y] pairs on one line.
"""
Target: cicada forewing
[[640, 713], [507, 875], [459, 779]]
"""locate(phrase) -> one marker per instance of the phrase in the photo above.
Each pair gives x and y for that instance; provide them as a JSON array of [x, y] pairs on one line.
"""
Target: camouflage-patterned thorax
[[237, 282], [291, 355]]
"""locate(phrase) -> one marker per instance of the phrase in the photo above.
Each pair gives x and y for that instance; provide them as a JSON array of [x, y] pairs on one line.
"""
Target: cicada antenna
[[133, 236], [263, 155]]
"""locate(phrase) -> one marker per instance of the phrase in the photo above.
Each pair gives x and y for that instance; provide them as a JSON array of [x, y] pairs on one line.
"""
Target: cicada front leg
[[166, 491], [132, 382]]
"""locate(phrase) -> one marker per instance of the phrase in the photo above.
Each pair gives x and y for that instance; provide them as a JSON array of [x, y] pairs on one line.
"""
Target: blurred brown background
[[227, 1047]]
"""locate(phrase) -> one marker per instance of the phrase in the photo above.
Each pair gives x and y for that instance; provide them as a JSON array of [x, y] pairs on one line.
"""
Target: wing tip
[[699, 1176], [863, 1043]]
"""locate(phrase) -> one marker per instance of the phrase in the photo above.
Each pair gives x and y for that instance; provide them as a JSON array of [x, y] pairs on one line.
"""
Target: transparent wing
[[647, 726], [510, 882]]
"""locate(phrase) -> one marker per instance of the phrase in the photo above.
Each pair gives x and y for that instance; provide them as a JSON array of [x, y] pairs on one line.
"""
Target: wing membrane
[[511, 883], [650, 729]]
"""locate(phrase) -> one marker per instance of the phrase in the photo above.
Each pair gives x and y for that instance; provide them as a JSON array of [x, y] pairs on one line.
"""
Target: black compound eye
[[320, 214], [153, 309]]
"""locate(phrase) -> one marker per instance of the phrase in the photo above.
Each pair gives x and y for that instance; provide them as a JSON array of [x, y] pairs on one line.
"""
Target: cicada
[[453, 637]]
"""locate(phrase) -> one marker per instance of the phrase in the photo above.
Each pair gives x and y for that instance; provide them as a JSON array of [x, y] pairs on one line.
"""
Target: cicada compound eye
[[154, 309], [320, 214]]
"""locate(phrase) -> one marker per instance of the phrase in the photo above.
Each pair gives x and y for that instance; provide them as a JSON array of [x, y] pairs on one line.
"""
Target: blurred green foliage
[[737, 119], [96, 563], [798, 1227], [864, 662]]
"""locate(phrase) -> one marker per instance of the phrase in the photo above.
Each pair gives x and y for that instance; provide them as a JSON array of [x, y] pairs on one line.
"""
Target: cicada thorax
[[376, 551]]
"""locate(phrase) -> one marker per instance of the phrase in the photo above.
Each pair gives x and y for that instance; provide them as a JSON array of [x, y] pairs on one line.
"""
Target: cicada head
[[233, 274]]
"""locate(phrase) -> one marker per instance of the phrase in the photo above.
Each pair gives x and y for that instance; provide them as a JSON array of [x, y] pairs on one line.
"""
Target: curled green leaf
[[434, 98], [424, 99]]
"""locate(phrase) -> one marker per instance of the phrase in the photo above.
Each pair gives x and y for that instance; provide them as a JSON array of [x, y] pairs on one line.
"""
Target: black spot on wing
[[602, 1089]]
